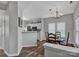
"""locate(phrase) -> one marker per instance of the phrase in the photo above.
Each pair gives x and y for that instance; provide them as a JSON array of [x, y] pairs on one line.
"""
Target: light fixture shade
[[55, 12]]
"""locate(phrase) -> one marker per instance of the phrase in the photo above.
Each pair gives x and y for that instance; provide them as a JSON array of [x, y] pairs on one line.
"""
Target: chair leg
[[59, 42]]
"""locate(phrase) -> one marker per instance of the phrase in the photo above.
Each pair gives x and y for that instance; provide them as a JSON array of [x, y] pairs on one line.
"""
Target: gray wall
[[76, 12], [13, 28], [2, 14], [69, 25], [75, 15], [6, 32], [11, 41]]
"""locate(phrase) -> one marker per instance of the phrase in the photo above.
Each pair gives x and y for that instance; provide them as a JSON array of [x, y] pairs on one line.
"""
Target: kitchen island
[[29, 38], [56, 50]]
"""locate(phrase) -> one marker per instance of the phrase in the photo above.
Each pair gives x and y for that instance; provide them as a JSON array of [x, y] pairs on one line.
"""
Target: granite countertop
[[66, 48]]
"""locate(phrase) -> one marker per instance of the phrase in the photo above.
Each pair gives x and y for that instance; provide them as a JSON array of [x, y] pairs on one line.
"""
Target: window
[[52, 28], [77, 30], [61, 28], [57, 27]]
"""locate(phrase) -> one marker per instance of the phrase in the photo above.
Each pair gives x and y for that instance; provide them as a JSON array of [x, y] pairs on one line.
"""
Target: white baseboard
[[14, 54], [10, 55], [29, 45], [1, 47], [42, 39], [19, 50]]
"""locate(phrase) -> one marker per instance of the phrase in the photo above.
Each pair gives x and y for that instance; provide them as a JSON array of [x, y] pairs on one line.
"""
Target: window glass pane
[[61, 28], [51, 28], [62, 33]]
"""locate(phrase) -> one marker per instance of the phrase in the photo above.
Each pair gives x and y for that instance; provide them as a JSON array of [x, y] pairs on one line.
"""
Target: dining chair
[[58, 35], [67, 39], [52, 38], [46, 34]]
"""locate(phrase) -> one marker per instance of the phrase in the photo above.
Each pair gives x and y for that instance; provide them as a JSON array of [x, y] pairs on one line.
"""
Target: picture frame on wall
[[20, 22]]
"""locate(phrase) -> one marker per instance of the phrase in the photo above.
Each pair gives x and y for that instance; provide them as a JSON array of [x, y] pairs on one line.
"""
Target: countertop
[[66, 48], [29, 31]]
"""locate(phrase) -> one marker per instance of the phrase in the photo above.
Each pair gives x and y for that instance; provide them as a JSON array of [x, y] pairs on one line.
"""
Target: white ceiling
[[40, 9], [3, 5], [4, 2]]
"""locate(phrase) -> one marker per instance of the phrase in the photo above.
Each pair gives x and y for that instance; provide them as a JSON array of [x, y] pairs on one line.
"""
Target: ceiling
[[3, 5], [40, 9]]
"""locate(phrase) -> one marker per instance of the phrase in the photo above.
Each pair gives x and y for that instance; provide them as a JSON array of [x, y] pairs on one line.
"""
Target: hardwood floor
[[2, 54], [33, 51], [37, 51]]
